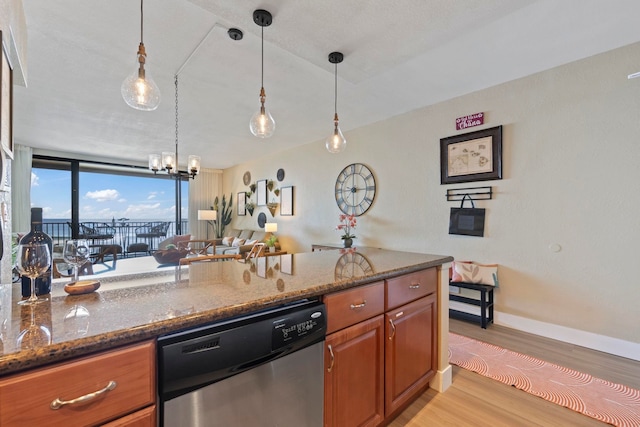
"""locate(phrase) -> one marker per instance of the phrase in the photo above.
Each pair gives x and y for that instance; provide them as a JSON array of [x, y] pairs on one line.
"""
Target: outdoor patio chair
[[95, 231], [151, 231]]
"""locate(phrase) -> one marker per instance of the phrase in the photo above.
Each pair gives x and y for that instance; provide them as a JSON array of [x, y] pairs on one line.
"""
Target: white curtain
[[202, 191], [21, 189]]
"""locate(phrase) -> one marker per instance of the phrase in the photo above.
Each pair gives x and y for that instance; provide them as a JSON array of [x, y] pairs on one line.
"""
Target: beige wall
[[571, 152]]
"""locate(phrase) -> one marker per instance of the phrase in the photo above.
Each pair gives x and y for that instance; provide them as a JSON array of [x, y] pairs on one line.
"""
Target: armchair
[[152, 231]]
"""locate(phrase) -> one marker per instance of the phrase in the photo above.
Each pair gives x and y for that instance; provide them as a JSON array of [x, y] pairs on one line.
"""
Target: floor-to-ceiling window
[[109, 198]]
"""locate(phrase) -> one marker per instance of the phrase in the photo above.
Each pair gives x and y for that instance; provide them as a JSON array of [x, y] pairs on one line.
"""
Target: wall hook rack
[[476, 193]]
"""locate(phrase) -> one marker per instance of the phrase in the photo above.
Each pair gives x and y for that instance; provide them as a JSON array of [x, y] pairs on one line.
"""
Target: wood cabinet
[[410, 356], [381, 348], [103, 387], [354, 375]]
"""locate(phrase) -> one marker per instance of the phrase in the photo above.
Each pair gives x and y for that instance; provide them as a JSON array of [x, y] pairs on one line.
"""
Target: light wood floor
[[474, 400]]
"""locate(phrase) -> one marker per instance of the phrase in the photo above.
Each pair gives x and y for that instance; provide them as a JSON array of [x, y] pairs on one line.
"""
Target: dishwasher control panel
[[298, 325]]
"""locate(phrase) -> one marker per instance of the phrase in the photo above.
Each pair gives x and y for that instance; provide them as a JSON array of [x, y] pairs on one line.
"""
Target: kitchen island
[[140, 307]]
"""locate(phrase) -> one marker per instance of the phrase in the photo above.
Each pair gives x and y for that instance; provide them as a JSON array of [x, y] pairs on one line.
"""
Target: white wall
[[571, 173], [14, 36]]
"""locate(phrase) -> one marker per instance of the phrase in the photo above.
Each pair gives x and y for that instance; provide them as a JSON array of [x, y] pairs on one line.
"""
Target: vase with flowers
[[347, 224]]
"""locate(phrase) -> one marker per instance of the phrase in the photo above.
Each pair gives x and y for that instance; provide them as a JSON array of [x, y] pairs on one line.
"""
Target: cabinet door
[[410, 350], [354, 375]]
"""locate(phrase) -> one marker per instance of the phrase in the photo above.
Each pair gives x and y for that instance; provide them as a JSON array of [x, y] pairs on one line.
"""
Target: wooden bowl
[[81, 287]]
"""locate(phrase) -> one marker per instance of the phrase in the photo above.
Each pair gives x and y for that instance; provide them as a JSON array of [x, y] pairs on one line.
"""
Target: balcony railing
[[124, 233]]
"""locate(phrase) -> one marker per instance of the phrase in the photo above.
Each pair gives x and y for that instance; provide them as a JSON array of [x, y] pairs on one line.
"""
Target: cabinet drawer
[[403, 289], [26, 398], [349, 307], [143, 418]]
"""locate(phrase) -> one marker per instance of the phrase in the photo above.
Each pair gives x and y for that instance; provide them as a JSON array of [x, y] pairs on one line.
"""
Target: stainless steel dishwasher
[[262, 369]]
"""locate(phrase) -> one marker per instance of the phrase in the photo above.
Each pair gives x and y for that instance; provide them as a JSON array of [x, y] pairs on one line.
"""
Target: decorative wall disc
[[262, 219]]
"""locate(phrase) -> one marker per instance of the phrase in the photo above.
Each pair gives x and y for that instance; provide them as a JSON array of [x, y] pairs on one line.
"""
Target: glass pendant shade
[[155, 162], [168, 161], [336, 142], [193, 165], [139, 91], [262, 124]]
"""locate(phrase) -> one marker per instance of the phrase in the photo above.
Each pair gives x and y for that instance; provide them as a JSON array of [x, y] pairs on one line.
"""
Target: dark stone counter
[[129, 309]]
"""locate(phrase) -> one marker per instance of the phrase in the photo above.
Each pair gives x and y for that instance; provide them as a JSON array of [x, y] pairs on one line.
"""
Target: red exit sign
[[469, 121]]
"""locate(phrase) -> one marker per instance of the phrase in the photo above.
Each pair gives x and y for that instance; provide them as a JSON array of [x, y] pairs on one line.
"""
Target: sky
[[104, 197]]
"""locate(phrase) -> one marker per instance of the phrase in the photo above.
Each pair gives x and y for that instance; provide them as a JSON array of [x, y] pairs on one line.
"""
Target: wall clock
[[355, 189], [280, 174], [246, 178]]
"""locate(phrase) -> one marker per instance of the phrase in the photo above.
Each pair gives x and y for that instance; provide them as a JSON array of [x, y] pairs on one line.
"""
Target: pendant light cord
[[336, 89], [262, 60], [176, 83], [141, 21]]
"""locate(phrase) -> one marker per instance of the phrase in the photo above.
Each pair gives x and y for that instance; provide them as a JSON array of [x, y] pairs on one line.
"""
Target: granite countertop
[[132, 308]]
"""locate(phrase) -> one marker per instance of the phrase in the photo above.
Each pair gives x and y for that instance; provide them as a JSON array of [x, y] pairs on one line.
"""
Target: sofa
[[241, 241]]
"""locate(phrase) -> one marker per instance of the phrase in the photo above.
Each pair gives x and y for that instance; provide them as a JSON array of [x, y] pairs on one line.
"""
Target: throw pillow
[[471, 272], [227, 241], [250, 242], [237, 242]]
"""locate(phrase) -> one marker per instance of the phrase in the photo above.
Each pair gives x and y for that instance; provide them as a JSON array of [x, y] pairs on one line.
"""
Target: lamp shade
[[271, 227], [155, 162], [207, 215]]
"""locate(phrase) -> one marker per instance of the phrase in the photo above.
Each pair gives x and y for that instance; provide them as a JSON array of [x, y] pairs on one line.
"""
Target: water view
[[115, 205]]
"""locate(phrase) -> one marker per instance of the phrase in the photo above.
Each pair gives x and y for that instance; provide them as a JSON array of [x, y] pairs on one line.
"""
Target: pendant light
[[169, 160], [336, 142], [139, 90], [262, 124]]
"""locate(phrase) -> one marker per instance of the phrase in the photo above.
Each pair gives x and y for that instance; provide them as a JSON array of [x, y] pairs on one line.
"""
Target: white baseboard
[[442, 380], [615, 346]]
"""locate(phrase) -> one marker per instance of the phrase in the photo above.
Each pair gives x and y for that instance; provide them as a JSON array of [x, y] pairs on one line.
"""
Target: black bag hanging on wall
[[467, 221]]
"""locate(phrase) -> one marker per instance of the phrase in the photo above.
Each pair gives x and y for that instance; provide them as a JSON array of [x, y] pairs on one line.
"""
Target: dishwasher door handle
[[260, 361]]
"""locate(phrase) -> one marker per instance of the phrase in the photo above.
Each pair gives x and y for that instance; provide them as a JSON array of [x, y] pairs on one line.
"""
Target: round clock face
[[352, 265], [355, 189], [246, 178]]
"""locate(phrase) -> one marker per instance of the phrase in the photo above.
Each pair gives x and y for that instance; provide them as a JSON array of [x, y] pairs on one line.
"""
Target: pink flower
[[347, 223]]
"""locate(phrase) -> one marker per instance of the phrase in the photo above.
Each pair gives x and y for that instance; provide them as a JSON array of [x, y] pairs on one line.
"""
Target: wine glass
[[34, 335], [33, 259], [76, 253]]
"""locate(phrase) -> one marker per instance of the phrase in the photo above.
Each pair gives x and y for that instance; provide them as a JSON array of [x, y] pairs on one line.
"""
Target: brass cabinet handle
[[332, 358], [58, 403], [355, 306], [416, 286], [393, 329]]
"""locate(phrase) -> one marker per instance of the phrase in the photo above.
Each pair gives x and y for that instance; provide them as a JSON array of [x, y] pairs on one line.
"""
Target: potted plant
[[250, 206], [271, 243], [347, 222]]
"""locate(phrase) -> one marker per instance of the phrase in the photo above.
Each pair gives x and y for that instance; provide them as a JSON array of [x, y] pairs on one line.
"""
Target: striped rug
[[605, 401]]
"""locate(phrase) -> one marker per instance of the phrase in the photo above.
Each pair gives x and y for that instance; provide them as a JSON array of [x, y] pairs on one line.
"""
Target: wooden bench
[[485, 303]]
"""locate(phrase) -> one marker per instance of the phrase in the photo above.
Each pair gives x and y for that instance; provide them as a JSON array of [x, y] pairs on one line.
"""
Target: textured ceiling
[[399, 56]]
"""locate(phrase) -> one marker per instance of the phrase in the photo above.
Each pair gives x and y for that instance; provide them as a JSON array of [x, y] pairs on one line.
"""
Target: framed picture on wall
[[286, 201], [474, 156], [6, 101], [242, 203], [261, 193]]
